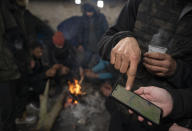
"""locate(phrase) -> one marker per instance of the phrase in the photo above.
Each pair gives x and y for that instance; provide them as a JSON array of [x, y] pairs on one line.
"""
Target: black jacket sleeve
[[123, 28], [181, 51], [182, 107], [37, 76], [183, 75]]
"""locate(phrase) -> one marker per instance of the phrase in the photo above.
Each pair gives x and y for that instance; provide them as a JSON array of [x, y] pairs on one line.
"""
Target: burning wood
[[70, 101], [75, 88], [75, 102]]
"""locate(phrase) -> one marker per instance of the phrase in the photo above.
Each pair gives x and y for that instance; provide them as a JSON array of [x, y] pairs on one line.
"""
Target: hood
[[87, 7]]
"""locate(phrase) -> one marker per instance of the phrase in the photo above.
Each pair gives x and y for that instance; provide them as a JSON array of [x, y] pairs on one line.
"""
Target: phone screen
[[140, 105]]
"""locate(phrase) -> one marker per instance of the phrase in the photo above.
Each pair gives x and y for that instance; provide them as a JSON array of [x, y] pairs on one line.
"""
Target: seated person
[[34, 76], [97, 72], [64, 54], [40, 73]]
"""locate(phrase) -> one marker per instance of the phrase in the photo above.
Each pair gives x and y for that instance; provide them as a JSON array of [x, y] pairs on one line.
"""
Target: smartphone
[[138, 104]]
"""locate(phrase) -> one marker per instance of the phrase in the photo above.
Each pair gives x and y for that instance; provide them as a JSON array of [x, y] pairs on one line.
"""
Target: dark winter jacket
[[71, 29], [8, 68], [14, 26], [65, 56], [36, 77], [142, 19], [93, 28], [180, 48]]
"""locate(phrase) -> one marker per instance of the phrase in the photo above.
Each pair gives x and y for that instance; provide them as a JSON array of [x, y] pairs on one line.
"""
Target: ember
[[75, 102], [70, 101]]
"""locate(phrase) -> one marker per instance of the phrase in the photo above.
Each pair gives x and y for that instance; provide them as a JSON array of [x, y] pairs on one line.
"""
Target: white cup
[[154, 48]]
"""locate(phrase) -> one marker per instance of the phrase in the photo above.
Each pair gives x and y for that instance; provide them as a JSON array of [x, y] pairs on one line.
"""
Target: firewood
[[47, 119]]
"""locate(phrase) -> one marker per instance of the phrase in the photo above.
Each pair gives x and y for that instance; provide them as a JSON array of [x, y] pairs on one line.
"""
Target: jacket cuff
[[175, 79], [178, 106], [121, 35]]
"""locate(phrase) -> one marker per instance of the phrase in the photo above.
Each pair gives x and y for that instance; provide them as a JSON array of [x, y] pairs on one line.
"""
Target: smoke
[[89, 115]]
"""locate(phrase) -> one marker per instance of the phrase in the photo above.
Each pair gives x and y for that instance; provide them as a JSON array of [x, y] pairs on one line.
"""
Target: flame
[[76, 102], [75, 88]]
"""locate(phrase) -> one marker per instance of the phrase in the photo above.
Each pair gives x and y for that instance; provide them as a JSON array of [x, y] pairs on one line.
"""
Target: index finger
[[112, 59], [131, 73]]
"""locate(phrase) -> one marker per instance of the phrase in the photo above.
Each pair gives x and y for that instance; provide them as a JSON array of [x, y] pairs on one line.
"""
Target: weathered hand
[[51, 72], [159, 64], [64, 70], [90, 74], [32, 64], [106, 89], [157, 96], [176, 127], [57, 66], [80, 48], [125, 56]]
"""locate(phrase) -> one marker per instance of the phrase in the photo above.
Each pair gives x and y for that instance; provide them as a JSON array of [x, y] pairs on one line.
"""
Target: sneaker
[[28, 120], [33, 107]]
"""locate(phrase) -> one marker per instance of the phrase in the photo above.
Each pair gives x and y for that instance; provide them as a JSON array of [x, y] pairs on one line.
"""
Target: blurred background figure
[[71, 29], [94, 25]]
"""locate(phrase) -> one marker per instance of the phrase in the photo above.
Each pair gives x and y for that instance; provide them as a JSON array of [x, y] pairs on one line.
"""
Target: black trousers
[[7, 106]]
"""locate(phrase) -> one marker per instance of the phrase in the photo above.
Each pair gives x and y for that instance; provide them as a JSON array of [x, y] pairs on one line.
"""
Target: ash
[[89, 115]]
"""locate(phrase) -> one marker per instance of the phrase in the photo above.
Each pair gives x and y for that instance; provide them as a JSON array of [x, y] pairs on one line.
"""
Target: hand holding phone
[[157, 96], [138, 104]]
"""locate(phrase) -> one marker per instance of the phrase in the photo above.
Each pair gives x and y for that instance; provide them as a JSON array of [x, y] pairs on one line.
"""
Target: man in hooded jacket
[[93, 26], [126, 43]]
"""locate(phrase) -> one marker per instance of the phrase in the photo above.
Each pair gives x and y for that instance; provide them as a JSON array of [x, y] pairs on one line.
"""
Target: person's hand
[[80, 48], [64, 70], [51, 72], [176, 127], [90, 74], [57, 66], [32, 64], [106, 89], [125, 56], [159, 64], [158, 96]]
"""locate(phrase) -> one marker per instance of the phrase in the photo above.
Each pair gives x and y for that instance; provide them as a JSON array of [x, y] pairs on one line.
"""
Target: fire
[[76, 102], [75, 88]]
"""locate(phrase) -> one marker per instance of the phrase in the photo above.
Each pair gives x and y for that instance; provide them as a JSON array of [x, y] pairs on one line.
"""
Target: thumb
[[140, 91]]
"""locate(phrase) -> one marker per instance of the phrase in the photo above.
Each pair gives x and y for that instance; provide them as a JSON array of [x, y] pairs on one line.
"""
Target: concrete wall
[[56, 12]]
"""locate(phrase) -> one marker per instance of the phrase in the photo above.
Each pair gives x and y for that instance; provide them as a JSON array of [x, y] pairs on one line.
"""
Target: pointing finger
[[112, 56], [131, 75]]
